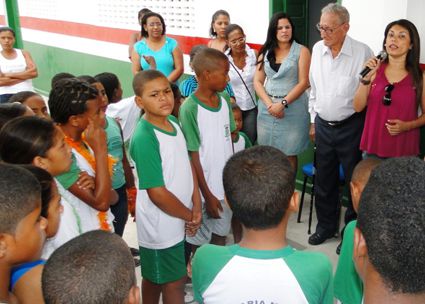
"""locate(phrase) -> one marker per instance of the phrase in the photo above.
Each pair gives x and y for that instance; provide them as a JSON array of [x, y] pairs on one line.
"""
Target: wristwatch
[[284, 102]]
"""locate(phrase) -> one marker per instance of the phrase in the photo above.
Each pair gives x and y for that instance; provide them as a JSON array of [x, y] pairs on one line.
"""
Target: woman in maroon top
[[392, 92]]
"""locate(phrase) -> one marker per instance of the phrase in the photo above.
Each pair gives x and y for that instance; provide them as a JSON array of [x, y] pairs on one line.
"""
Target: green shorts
[[162, 266]]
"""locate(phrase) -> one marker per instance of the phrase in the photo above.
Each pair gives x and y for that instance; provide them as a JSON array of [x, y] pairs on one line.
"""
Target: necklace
[[81, 147]]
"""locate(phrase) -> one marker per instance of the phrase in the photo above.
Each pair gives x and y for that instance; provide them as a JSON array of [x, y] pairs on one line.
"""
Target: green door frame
[[12, 17], [287, 7]]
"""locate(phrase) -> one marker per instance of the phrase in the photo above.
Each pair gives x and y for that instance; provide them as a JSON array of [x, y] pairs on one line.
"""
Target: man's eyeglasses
[[327, 30], [386, 101]]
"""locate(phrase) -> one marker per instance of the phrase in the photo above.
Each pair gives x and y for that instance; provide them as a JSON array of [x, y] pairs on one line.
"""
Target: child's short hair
[[24, 138], [95, 267], [235, 106], [19, 196], [9, 111], [45, 180], [392, 221], [68, 97], [143, 77], [110, 82], [22, 96], [207, 59], [363, 169], [60, 76], [195, 50], [258, 184]]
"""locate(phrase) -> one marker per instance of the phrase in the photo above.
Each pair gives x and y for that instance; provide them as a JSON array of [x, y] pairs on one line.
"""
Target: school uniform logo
[[227, 131]]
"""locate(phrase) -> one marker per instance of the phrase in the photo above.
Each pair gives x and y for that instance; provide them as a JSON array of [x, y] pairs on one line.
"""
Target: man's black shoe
[[318, 238]]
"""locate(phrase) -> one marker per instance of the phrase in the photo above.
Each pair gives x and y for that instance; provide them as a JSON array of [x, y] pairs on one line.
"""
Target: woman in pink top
[[392, 92]]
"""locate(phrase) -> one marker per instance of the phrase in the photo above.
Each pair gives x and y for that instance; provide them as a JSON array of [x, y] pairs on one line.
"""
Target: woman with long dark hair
[[392, 92], [280, 81]]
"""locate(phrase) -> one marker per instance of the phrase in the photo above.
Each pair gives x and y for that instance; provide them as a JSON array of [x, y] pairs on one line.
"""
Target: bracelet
[[365, 82]]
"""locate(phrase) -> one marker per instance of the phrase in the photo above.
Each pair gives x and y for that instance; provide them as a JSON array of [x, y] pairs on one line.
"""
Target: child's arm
[[169, 203], [213, 205], [103, 195], [194, 224], [28, 287]]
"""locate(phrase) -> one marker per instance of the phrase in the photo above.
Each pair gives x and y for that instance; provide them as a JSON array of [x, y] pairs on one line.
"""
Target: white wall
[[185, 17], [416, 14], [370, 17]]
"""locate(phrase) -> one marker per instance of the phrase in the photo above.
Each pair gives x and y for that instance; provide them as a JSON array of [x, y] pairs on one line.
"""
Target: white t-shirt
[[233, 274], [161, 160], [127, 113], [208, 131], [69, 226], [242, 96]]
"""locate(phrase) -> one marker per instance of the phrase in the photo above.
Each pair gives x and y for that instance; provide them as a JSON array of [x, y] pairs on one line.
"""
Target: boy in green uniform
[[348, 286], [259, 184], [168, 198], [95, 267], [389, 240], [207, 122], [22, 228]]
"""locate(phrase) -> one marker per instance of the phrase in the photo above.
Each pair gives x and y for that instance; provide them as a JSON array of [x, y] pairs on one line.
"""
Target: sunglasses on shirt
[[386, 101]]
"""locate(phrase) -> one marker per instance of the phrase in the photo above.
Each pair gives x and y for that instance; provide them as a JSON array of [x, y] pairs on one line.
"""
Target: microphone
[[381, 56]]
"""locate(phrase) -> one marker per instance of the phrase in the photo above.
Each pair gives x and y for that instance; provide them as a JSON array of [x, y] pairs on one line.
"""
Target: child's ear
[[355, 194], [39, 161], [360, 254], [134, 295], [206, 75], [138, 101], [294, 201]]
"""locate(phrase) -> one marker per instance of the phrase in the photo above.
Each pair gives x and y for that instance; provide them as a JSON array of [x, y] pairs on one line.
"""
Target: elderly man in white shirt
[[336, 128]]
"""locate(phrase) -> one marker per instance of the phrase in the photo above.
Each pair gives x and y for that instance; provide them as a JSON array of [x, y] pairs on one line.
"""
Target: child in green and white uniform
[[207, 122], [239, 138], [259, 184], [348, 286], [168, 200]]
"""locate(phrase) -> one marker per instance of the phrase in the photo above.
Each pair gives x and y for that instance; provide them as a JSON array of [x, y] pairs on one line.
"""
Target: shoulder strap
[[243, 81]]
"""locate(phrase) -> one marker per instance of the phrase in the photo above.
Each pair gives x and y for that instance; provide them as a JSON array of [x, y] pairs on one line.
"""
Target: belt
[[277, 97], [338, 123]]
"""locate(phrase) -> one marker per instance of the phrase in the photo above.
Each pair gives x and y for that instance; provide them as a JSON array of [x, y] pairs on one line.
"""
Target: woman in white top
[[16, 67], [243, 61]]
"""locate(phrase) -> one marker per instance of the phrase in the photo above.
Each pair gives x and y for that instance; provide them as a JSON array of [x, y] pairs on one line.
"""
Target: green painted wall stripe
[[51, 60]]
